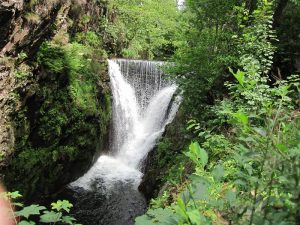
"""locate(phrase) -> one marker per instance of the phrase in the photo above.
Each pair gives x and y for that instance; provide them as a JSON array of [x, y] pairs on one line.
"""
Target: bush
[[251, 176], [26, 215]]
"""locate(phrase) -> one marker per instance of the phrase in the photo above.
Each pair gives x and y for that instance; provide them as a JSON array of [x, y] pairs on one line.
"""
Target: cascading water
[[141, 100], [142, 106]]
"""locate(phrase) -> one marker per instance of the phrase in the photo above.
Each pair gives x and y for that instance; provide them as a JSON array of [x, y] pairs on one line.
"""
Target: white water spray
[[142, 107]]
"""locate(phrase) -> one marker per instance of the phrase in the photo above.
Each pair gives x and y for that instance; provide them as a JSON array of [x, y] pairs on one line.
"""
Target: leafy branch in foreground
[[26, 215]]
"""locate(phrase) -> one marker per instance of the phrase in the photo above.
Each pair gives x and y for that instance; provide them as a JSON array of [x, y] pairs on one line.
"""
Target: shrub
[[27, 215]]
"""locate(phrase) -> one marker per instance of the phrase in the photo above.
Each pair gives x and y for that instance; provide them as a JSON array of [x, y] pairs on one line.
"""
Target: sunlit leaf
[[62, 205]]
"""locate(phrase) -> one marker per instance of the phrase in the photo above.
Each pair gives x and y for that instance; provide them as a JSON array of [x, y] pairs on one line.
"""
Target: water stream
[[143, 104]]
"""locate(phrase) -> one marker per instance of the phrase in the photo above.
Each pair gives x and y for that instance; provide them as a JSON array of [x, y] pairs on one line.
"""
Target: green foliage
[[89, 38], [70, 59], [141, 29], [197, 155], [64, 120], [162, 151], [249, 173], [158, 216], [27, 215], [52, 57], [204, 51], [62, 205], [160, 201], [29, 210], [194, 204]]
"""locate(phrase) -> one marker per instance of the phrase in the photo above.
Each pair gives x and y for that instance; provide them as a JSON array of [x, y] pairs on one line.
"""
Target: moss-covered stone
[[64, 123]]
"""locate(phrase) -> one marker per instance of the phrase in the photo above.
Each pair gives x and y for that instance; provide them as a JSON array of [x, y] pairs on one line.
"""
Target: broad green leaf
[[157, 216], [194, 216], [198, 154], [68, 219], [199, 188], [144, 220], [59, 205], [15, 195], [282, 147], [50, 217], [24, 222], [239, 75], [165, 216], [181, 204], [30, 210], [11, 195], [241, 117], [180, 208], [230, 196], [218, 172]]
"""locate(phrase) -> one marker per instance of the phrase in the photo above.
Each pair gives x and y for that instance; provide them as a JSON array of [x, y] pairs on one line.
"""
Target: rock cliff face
[[26, 23], [54, 96], [9, 11], [161, 159], [6, 131], [18, 33]]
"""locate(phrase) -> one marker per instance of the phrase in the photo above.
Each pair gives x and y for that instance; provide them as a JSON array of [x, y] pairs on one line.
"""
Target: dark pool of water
[[118, 206]]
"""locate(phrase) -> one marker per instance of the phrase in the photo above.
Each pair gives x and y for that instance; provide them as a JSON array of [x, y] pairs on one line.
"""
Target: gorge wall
[[54, 95]]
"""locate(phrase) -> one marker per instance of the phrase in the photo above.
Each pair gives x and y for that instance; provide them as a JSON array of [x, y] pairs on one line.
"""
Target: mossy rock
[[64, 124]]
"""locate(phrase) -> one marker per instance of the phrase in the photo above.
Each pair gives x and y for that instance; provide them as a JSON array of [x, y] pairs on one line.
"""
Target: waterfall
[[142, 107]]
